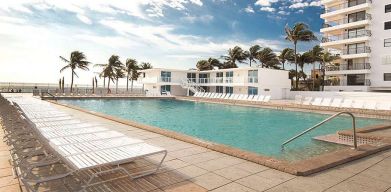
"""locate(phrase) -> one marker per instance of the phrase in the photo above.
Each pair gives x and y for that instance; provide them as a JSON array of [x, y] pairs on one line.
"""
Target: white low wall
[[373, 96]]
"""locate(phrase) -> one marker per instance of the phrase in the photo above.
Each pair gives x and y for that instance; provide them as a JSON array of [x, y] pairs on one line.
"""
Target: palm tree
[[299, 32], [131, 69], [215, 62], [234, 54], [76, 60], [326, 58], [145, 65], [286, 55], [109, 69], [204, 65], [316, 54], [252, 53], [267, 57], [118, 74]]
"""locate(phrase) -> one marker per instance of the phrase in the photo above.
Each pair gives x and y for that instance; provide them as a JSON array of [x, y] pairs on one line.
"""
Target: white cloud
[[249, 9], [202, 18], [268, 9], [84, 19], [266, 3]]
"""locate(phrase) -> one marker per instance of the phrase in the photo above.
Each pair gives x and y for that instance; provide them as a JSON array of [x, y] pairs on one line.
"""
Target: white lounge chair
[[250, 97], [317, 101], [336, 102], [212, 95], [347, 103], [255, 98], [222, 96], [307, 100], [196, 94], [386, 106], [261, 98], [298, 99], [227, 96], [371, 105], [358, 104], [267, 98], [241, 97], [326, 102]]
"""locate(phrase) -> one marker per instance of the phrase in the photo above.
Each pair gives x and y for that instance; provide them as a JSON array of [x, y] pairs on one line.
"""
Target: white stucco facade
[[356, 31], [237, 80]]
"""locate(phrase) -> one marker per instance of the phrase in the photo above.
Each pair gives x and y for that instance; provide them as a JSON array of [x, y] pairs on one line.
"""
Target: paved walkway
[[7, 180], [190, 168]]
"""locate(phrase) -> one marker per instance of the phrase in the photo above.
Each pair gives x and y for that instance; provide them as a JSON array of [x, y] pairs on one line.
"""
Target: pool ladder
[[323, 122]]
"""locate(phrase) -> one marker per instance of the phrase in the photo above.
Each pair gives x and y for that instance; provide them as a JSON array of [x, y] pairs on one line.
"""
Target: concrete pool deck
[[193, 168], [190, 167]]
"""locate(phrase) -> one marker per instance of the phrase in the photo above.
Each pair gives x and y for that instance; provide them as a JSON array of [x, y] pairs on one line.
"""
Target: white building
[[237, 80], [360, 32]]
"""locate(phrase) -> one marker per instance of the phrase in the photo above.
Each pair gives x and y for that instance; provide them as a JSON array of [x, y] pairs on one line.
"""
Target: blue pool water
[[252, 129]]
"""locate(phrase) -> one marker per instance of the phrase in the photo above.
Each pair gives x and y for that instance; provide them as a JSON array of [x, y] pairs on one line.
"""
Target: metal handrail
[[323, 122]]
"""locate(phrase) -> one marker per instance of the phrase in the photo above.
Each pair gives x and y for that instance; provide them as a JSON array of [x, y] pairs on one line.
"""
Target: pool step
[[345, 139]]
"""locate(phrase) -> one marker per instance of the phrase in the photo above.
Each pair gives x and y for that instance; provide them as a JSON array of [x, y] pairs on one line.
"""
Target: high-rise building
[[359, 31]]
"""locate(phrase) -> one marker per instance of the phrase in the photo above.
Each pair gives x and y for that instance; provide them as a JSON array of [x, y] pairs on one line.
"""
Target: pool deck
[[191, 168]]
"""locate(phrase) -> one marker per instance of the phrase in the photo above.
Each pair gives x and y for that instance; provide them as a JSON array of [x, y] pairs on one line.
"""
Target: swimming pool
[[257, 130]]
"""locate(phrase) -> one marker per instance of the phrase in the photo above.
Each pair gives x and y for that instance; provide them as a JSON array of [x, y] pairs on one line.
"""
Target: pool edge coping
[[300, 168]]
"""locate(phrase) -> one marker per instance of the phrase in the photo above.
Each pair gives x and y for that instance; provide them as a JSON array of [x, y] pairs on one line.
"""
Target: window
[[357, 32], [388, 8], [253, 76], [359, 16], [387, 25], [356, 48], [191, 77], [229, 90], [165, 88], [165, 76], [253, 90], [203, 78], [352, 3], [229, 76], [219, 77], [387, 76], [219, 89], [356, 79], [387, 42]]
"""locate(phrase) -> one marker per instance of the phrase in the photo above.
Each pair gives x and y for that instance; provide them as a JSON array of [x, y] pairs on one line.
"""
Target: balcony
[[346, 20], [347, 35], [346, 67], [345, 5], [358, 50], [366, 82]]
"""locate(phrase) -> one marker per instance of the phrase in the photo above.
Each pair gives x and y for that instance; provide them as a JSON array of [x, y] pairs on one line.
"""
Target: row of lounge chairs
[[41, 136], [342, 103], [228, 96]]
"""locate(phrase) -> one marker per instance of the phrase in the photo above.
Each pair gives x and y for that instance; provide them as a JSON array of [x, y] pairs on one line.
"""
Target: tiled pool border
[[300, 168]]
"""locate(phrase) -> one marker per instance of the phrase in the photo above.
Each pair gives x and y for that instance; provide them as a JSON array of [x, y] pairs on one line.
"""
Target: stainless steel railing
[[323, 122]]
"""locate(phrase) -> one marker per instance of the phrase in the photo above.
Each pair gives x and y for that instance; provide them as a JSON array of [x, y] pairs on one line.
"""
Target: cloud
[[202, 19], [266, 3], [300, 4], [84, 19], [249, 9], [268, 9]]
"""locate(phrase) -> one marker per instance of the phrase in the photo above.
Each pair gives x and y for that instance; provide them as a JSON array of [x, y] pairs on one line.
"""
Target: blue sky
[[167, 33]]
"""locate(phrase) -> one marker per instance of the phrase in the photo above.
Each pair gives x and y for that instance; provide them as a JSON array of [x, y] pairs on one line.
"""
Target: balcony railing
[[355, 66], [347, 35], [359, 50], [252, 79], [346, 20], [165, 79], [366, 82], [345, 4]]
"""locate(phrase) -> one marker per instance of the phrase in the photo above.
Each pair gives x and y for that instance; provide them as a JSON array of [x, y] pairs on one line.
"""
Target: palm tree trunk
[[131, 86], [127, 82], [104, 82], [313, 79], [116, 86], [72, 82], [297, 79], [283, 65], [108, 86], [250, 62]]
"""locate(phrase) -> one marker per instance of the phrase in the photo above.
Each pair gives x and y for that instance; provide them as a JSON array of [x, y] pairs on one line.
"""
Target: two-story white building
[[247, 80], [359, 31]]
